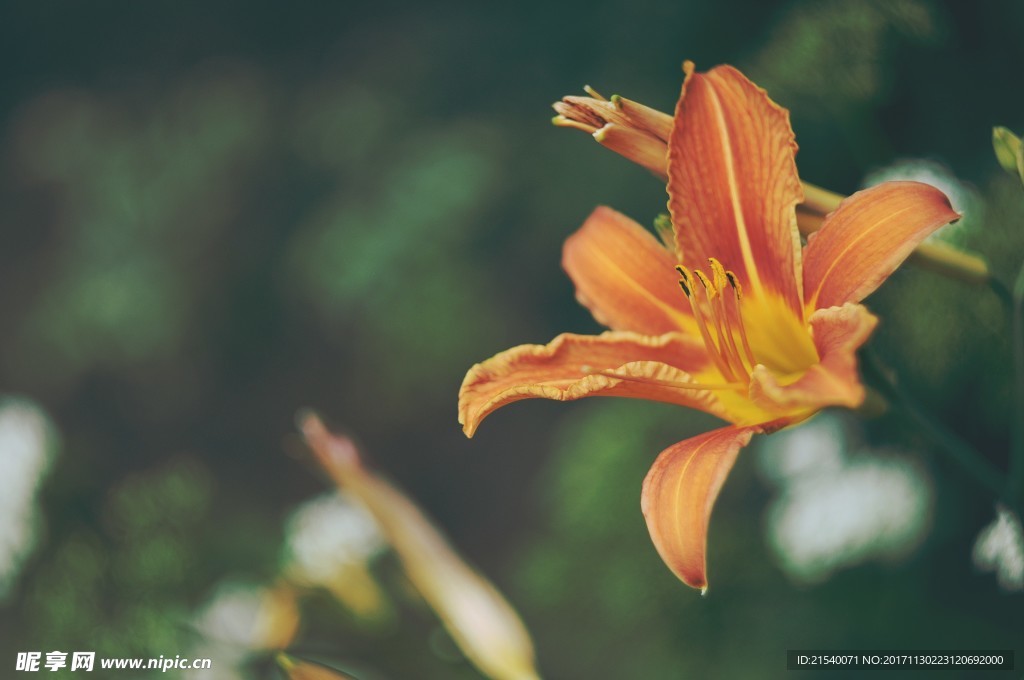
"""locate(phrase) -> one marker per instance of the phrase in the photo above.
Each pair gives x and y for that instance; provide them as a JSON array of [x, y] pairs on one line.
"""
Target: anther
[[725, 322], [737, 312], [714, 348], [719, 273], [708, 286]]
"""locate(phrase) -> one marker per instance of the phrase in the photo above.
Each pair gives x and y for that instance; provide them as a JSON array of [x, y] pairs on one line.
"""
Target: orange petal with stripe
[[680, 491], [624, 276], [733, 184], [837, 332], [568, 369], [867, 238]]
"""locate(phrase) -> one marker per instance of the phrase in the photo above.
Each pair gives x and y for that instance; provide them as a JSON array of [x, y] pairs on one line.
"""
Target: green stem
[[1017, 418], [958, 450]]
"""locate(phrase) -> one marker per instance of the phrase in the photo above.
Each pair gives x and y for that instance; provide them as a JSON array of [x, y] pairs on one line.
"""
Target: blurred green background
[[212, 215]]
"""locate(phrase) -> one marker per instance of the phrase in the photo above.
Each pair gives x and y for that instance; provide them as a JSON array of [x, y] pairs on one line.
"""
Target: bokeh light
[[839, 504], [1000, 549], [26, 455]]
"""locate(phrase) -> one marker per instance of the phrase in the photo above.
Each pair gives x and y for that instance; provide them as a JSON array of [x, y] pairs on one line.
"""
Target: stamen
[[723, 320], [684, 281], [708, 286], [593, 93], [733, 282], [718, 272], [713, 349], [716, 294], [719, 318], [668, 383], [738, 314]]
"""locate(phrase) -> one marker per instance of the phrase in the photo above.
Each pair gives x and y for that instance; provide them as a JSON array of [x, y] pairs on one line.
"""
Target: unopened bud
[[1009, 151]]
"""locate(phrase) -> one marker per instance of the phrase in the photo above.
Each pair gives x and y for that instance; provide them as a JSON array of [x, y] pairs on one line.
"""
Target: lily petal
[[733, 184], [568, 369], [624, 276], [838, 332], [680, 491], [868, 237]]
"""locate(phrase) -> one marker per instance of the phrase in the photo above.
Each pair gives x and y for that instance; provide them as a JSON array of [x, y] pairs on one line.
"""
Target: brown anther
[[708, 286], [734, 282]]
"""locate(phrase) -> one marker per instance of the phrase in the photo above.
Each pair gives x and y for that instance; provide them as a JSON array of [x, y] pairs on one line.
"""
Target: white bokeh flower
[[818, 446], [328, 534], [1000, 548], [238, 620], [26, 452], [835, 510]]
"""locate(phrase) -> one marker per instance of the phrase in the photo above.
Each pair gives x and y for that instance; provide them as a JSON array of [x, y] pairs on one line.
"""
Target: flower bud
[[1008, 150]]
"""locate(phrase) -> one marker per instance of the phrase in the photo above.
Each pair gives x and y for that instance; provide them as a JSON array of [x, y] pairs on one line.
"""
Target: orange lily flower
[[732, 315]]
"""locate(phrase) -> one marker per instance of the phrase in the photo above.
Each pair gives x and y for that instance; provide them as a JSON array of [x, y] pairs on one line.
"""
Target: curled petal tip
[[679, 493]]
